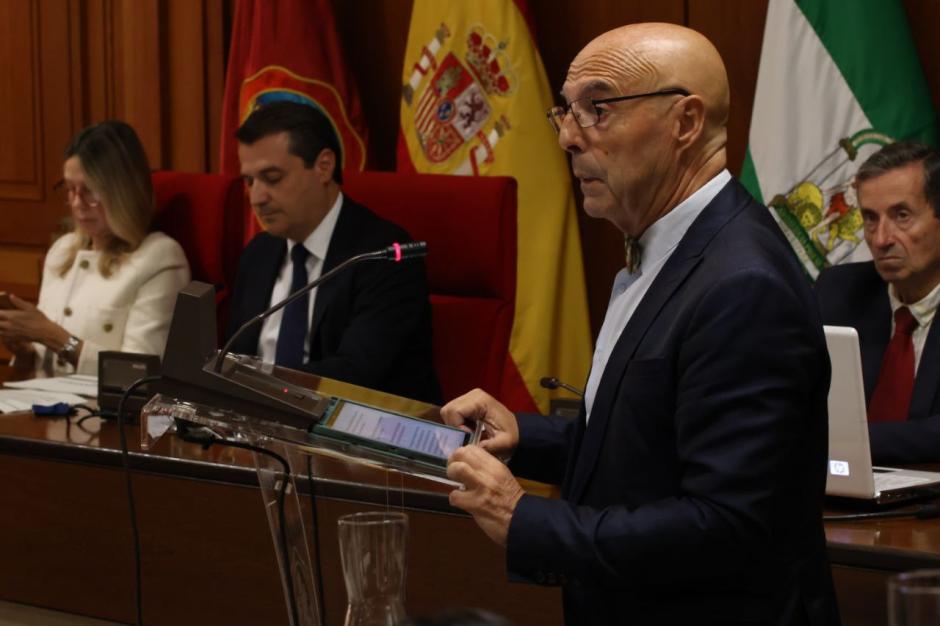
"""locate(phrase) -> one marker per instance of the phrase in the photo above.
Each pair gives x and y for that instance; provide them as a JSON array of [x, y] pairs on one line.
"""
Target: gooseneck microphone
[[395, 253], [550, 382]]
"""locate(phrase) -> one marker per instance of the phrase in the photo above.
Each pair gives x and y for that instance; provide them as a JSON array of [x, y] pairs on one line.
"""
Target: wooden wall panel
[[138, 78], [216, 20], [185, 93], [20, 159], [737, 30], [21, 270], [193, 78], [94, 67], [36, 119], [158, 65]]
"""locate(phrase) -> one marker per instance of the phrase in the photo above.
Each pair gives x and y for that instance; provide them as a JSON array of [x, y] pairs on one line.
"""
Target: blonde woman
[[110, 284]]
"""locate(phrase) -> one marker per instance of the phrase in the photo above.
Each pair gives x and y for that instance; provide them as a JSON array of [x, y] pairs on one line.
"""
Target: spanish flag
[[289, 50], [474, 96]]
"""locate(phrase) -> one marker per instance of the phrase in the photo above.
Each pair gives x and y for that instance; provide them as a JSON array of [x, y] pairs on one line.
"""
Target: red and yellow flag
[[474, 97], [289, 50]]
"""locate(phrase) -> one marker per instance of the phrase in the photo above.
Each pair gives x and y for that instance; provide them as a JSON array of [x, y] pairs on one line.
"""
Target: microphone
[[396, 252], [401, 251], [553, 383]]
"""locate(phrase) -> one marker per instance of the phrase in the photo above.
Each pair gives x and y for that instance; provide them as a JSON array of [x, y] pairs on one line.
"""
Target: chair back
[[206, 214], [470, 226]]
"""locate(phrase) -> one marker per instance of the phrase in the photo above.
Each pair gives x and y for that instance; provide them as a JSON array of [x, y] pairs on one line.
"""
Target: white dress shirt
[[317, 244], [658, 243], [923, 311]]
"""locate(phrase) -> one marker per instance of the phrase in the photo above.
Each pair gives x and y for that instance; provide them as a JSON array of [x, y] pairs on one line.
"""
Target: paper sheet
[[23, 399], [79, 384]]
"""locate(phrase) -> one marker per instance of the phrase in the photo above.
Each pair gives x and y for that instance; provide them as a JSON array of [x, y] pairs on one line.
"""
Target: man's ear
[[691, 120], [325, 165]]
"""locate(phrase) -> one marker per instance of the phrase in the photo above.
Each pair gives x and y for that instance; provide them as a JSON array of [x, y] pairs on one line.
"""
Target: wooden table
[[864, 554], [208, 558]]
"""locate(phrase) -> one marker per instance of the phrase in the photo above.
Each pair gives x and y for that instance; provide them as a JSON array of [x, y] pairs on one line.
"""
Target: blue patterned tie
[[294, 323]]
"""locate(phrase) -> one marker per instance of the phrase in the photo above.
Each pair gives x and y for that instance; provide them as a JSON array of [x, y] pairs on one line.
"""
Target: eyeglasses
[[586, 112], [89, 198]]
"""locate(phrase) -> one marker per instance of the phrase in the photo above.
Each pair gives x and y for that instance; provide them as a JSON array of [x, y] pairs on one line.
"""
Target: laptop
[[851, 474]]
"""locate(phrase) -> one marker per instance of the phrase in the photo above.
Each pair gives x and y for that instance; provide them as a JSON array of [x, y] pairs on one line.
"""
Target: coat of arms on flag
[[826, 100], [820, 214], [454, 109]]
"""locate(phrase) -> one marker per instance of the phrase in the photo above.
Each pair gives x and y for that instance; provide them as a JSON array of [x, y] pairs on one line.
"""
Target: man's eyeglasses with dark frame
[[586, 112]]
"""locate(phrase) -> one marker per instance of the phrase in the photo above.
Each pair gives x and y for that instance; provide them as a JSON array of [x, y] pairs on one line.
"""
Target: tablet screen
[[400, 431]]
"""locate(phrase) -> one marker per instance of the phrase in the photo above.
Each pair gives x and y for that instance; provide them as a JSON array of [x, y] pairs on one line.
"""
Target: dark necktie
[[632, 253], [294, 323], [892, 397]]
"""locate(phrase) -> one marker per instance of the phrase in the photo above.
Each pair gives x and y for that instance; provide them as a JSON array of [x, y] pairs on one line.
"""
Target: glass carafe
[[914, 598], [373, 549]]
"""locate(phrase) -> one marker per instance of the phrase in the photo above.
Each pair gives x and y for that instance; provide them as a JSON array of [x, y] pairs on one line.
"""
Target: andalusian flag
[[473, 102], [837, 81]]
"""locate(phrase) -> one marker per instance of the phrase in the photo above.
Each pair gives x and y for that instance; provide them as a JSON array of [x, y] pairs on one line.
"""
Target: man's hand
[[501, 435], [491, 494]]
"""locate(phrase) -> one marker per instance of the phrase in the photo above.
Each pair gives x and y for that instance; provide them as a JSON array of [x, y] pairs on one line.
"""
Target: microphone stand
[[396, 252], [195, 369]]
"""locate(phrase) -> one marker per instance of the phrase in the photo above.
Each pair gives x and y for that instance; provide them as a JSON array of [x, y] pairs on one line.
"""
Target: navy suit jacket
[[371, 323], [855, 295], [694, 495]]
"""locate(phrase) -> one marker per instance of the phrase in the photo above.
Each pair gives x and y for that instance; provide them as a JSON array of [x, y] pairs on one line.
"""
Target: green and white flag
[[837, 80]]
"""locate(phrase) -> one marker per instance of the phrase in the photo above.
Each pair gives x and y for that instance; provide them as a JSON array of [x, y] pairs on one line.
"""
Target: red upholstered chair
[[205, 213], [470, 226]]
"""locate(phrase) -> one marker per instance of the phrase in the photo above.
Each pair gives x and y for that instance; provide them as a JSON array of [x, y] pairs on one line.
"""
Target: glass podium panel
[[278, 445]]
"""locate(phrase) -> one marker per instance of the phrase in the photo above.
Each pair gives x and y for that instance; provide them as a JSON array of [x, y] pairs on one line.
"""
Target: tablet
[[391, 433]]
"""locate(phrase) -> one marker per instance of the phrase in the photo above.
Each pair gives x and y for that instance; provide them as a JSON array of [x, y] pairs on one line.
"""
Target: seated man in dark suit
[[692, 483], [893, 299], [370, 325]]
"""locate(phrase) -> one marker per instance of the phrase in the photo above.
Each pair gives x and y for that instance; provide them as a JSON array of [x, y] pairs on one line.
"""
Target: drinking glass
[[372, 549], [914, 598]]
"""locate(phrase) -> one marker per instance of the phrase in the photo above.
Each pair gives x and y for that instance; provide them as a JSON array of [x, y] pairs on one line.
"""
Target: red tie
[[892, 397]]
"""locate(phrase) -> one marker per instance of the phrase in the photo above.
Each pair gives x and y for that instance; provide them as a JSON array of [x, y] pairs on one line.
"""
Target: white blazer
[[128, 311]]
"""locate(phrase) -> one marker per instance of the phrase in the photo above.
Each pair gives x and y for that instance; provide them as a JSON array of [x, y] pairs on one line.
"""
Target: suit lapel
[[574, 449], [729, 201], [874, 329], [265, 269], [928, 376], [607, 391], [342, 246]]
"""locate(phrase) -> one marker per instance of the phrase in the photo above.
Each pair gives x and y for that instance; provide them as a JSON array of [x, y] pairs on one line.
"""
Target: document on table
[[78, 384], [23, 399], [21, 395]]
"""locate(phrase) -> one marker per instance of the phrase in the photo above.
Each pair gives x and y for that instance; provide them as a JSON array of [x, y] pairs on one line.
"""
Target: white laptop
[[851, 474]]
